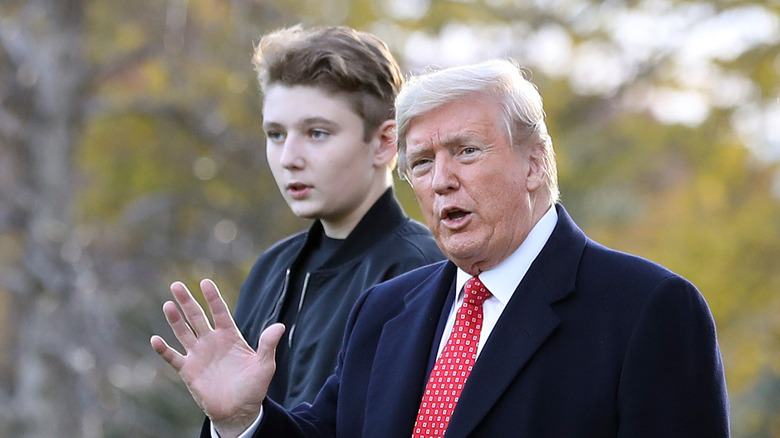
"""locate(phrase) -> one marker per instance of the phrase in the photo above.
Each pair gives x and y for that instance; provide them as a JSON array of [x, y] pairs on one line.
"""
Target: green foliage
[[171, 155], [692, 199]]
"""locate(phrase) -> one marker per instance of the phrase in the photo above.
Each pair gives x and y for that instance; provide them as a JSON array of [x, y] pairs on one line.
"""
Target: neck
[[340, 228]]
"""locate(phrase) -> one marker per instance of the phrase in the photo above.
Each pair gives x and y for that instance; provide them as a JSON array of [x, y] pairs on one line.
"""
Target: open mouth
[[455, 215], [298, 190], [454, 218]]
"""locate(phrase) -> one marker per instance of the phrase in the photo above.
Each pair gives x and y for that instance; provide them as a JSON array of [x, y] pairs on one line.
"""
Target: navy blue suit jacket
[[593, 343]]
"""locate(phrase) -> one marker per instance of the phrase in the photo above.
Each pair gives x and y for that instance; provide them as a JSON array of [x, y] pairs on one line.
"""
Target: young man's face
[[317, 153]]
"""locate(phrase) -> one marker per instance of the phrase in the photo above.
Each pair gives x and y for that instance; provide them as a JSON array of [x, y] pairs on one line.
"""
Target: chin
[[462, 245], [306, 213], [460, 256]]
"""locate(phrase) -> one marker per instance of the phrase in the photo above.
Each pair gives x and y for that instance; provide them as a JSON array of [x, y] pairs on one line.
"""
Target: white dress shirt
[[501, 281]]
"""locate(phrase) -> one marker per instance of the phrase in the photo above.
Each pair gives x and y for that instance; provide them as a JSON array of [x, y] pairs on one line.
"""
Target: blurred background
[[131, 155]]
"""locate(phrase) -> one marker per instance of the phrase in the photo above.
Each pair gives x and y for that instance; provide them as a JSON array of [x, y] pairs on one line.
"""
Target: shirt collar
[[502, 280]]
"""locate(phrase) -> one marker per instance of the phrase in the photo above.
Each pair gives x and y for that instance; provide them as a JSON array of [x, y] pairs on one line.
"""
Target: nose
[[445, 178], [292, 154]]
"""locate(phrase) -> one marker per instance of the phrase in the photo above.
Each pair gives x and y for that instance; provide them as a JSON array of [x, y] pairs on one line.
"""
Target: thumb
[[270, 338]]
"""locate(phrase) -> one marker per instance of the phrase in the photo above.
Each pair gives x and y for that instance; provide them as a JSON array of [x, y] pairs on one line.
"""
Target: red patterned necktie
[[453, 366]]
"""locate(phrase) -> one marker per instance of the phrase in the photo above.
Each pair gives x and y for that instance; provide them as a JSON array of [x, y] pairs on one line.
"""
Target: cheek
[[277, 172], [424, 198], [272, 157], [506, 215], [424, 195]]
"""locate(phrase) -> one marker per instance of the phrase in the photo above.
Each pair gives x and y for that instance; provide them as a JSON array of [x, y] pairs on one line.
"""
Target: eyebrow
[[412, 156], [309, 121], [456, 139], [316, 121], [448, 141]]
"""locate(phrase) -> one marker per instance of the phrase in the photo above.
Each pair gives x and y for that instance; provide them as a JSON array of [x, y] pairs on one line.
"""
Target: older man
[[530, 329]]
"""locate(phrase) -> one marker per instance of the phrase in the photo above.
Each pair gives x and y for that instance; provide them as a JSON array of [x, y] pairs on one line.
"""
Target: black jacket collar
[[381, 218]]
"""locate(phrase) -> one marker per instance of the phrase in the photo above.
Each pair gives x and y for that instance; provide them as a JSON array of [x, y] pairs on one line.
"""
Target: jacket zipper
[[279, 301], [300, 306]]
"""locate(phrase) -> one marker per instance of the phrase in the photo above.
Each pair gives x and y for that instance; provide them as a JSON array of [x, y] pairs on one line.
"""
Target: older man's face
[[477, 193]]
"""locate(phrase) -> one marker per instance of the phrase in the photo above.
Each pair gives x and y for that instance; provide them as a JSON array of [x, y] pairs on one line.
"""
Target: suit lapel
[[527, 321], [399, 370]]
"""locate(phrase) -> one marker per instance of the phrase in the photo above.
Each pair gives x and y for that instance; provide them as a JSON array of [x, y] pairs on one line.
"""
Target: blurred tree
[[130, 150], [131, 155], [53, 278]]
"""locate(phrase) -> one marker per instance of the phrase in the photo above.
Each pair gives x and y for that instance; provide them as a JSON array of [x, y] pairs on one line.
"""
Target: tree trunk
[[56, 309]]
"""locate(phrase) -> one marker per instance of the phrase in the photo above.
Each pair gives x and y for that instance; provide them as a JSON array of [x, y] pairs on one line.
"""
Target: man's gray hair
[[501, 79]]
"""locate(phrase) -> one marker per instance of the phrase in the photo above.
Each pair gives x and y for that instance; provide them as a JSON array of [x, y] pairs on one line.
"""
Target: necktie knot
[[475, 292]]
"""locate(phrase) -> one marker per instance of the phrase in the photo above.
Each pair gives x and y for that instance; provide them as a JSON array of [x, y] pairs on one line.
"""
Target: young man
[[328, 117]]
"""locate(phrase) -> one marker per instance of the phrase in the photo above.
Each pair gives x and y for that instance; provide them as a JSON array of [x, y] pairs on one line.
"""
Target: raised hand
[[225, 376]]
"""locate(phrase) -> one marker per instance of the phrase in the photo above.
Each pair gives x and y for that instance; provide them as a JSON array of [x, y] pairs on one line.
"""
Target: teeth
[[455, 214]]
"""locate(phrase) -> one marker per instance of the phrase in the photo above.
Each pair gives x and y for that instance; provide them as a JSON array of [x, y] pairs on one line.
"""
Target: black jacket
[[384, 244]]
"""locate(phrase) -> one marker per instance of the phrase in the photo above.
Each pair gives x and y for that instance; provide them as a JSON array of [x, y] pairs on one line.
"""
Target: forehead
[[304, 101], [455, 122]]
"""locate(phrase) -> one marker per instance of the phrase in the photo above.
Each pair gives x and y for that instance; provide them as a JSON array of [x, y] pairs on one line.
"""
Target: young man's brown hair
[[338, 60]]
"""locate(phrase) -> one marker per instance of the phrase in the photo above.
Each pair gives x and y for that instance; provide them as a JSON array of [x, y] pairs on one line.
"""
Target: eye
[[319, 134], [418, 166], [469, 150], [274, 136], [418, 162]]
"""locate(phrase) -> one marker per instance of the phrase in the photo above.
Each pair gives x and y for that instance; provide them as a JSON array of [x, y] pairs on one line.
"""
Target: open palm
[[226, 377]]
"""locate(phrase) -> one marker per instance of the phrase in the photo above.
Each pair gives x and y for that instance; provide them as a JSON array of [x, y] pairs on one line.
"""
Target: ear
[[537, 174], [386, 147]]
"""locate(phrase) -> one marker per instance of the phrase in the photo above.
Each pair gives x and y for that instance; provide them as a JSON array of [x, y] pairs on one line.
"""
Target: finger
[[217, 305], [194, 313], [179, 326], [269, 339], [169, 354]]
